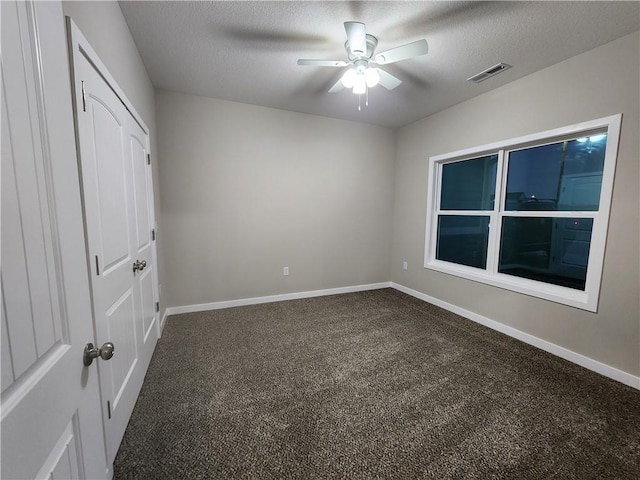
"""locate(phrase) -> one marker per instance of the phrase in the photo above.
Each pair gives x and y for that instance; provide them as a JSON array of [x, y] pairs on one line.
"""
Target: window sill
[[554, 293]]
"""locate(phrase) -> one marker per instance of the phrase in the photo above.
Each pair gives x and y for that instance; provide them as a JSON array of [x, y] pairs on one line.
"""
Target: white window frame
[[587, 299]]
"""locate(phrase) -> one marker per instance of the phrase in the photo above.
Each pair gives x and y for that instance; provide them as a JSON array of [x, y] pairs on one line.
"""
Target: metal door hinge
[[153, 234], [157, 306], [109, 409], [97, 266], [148, 159], [84, 98]]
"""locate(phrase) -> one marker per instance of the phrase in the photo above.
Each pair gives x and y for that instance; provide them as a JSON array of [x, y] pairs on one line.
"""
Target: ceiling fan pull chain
[[366, 101], [359, 99]]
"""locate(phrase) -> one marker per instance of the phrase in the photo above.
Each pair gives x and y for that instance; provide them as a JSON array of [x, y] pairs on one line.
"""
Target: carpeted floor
[[370, 385]]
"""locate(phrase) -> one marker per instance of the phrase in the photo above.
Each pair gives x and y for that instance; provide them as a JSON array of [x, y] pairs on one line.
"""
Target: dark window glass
[[565, 176], [469, 185], [550, 250], [463, 240]]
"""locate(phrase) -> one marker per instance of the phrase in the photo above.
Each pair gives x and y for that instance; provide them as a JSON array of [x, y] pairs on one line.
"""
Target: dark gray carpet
[[370, 385]]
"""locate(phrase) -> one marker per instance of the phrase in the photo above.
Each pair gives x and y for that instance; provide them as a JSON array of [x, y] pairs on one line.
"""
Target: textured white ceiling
[[247, 51]]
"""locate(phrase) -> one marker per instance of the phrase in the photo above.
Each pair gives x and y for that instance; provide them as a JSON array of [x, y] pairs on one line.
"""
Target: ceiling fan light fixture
[[349, 78], [359, 77]]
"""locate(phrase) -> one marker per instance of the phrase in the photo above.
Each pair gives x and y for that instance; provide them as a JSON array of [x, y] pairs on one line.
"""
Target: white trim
[[272, 298], [521, 142], [577, 358], [80, 44], [555, 293], [163, 322], [586, 299]]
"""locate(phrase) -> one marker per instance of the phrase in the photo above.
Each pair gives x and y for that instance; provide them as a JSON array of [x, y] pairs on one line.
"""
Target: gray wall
[[247, 190], [103, 24], [598, 83]]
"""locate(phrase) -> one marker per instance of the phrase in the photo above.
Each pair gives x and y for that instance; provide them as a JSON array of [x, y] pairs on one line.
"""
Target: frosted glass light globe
[[360, 85], [349, 78], [372, 77]]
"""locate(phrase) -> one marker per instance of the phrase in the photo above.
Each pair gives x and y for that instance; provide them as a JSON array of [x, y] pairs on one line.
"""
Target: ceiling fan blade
[[322, 63], [356, 36], [387, 80], [396, 54], [337, 87]]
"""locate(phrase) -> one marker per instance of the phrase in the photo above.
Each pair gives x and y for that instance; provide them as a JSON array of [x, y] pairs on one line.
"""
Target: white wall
[[247, 190], [601, 82]]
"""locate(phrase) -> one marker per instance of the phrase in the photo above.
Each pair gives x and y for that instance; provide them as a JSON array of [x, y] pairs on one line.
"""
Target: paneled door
[[51, 422], [118, 211]]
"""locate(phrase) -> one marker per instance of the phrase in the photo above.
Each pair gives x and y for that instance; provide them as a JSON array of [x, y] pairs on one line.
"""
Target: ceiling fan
[[360, 47]]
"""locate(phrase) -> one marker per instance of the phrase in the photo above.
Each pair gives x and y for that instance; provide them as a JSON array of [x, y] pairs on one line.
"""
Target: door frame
[[79, 47]]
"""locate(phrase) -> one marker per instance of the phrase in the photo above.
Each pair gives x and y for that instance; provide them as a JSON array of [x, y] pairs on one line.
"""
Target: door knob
[[90, 352], [139, 265]]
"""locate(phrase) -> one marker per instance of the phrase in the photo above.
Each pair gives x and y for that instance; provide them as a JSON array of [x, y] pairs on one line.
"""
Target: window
[[528, 214]]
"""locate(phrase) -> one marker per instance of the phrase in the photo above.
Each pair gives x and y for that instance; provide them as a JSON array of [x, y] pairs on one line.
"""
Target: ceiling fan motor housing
[[372, 43]]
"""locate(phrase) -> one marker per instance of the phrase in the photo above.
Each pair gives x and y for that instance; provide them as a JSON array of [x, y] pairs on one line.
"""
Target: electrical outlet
[[285, 271], [405, 265]]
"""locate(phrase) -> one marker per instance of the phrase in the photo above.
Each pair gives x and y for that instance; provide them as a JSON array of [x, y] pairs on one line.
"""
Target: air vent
[[489, 72]]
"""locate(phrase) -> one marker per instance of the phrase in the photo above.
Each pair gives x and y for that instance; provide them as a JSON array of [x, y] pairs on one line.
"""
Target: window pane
[[463, 239], [469, 185], [564, 176], [550, 250]]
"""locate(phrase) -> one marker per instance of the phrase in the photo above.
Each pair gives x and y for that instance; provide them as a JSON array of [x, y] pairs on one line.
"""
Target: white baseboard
[[586, 362], [163, 322], [271, 298]]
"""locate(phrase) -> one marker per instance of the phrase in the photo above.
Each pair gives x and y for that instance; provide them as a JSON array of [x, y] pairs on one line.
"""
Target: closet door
[[145, 280], [51, 421], [118, 211]]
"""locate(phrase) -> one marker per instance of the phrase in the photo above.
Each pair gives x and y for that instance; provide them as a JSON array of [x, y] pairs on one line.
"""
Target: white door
[[118, 210], [51, 422], [144, 236]]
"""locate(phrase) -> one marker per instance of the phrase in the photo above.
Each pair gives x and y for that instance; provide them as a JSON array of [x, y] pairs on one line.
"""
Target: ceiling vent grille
[[489, 72]]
